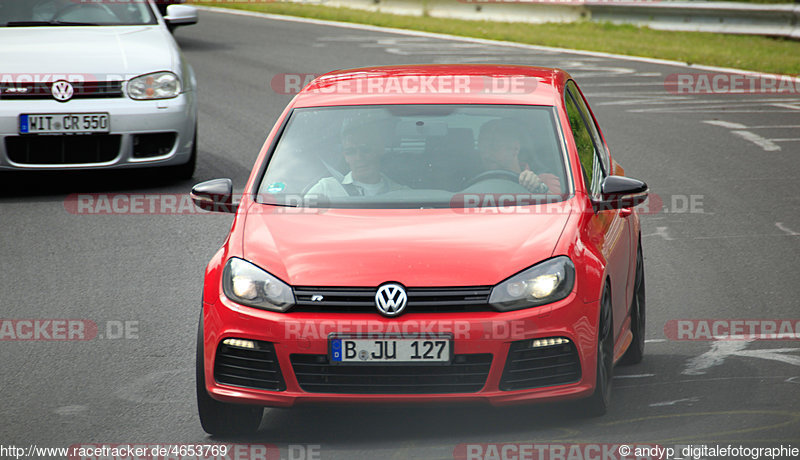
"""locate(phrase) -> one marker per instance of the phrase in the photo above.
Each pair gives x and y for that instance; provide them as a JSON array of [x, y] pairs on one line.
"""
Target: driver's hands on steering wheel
[[543, 183]]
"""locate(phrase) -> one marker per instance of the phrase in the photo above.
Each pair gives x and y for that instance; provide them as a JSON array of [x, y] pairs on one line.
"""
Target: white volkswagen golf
[[94, 84]]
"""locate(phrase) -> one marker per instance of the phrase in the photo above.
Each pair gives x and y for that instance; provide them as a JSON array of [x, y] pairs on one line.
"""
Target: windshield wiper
[[47, 23]]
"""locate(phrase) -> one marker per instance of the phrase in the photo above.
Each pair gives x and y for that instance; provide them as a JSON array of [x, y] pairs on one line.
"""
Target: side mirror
[[180, 15], [215, 195], [618, 192]]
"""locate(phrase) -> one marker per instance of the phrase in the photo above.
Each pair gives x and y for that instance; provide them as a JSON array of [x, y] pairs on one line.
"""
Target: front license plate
[[64, 123], [391, 350]]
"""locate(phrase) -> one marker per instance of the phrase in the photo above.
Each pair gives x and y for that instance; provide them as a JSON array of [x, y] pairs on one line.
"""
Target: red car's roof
[[436, 84]]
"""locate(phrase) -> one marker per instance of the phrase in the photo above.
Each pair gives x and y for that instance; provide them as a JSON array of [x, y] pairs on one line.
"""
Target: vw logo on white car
[[391, 299], [62, 91]]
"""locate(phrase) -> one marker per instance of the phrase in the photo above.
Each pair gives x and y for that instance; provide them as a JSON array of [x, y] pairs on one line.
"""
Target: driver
[[499, 148], [363, 149]]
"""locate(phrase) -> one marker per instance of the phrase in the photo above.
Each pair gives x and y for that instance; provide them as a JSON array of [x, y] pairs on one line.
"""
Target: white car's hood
[[126, 51]]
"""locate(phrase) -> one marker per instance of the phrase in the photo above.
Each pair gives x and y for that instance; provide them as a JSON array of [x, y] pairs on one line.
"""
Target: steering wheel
[[494, 174], [67, 9]]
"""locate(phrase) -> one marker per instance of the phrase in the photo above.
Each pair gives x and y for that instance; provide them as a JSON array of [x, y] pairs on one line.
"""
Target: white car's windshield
[[408, 156], [33, 13]]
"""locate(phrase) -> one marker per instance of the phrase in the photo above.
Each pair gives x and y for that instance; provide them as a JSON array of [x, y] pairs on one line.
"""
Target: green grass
[[781, 56]]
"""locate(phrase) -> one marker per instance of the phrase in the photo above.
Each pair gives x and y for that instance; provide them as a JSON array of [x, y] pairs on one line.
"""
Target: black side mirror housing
[[619, 192], [215, 195]]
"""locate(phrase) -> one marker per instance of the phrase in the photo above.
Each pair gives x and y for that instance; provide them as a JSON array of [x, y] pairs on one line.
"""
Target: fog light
[[549, 342], [240, 343]]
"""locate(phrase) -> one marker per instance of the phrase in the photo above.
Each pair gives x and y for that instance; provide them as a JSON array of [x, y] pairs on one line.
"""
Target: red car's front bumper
[[473, 333]]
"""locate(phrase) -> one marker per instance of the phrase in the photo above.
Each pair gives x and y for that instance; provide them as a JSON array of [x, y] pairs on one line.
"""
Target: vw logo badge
[[62, 91], [391, 299]]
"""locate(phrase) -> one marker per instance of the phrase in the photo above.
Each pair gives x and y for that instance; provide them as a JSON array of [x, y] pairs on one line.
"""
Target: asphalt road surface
[[725, 246]]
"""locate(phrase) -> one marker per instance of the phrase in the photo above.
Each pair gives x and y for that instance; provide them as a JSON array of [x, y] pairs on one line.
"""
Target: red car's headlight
[[247, 284], [545, 282]]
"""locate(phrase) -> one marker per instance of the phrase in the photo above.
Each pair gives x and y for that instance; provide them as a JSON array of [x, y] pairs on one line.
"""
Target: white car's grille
[[81, 90], [63, 149]]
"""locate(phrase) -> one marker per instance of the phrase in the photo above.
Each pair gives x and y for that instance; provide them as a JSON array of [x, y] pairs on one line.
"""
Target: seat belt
[[353, 189]]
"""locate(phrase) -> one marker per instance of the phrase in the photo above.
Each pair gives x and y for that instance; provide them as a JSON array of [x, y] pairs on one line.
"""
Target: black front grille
[[466, 374], [420, 299], [252, 368], [63, 149], [540, 367], [81, 90]]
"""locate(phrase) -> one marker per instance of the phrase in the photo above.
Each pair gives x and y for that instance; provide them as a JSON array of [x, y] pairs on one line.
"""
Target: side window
[[583, 141], [593, 130]]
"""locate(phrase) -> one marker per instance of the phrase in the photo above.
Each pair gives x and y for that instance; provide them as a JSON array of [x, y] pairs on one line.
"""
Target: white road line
[[70, 411], [795, 139], [662, 232], [722, 349], [655, 340], [708, 110], [725, 124], [766, 144], [414, 33], [795, 106], [775, 354], [693, 399], [702, 105], [713, 357], [754, 235], [785, 229]]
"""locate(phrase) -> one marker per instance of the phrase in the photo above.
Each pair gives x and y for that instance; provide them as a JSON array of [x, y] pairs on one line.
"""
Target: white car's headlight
[[544, 283], [159, 85], [249, 285]]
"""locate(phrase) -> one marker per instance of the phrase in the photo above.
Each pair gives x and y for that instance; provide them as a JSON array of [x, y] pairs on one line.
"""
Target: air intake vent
[[541, 363], [248, 363], [466, 374]]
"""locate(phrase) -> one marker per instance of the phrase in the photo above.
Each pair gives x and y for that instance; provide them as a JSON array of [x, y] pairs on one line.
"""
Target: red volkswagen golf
[[418, 234]]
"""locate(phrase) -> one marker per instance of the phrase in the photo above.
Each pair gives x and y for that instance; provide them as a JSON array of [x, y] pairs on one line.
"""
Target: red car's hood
[[433, 247]]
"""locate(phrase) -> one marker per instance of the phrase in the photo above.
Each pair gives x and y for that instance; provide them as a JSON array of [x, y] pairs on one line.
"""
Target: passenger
[[363, 150]]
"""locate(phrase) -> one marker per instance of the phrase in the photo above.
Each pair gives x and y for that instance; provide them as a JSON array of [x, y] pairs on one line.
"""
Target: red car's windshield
[[408, 156]]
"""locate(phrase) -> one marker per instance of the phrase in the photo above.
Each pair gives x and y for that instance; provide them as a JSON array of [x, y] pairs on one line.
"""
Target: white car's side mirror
[[180, 15]]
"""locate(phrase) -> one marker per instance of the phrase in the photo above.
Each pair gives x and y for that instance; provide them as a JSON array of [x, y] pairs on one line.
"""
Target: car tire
[[597, 404], [219, 418], [635, 351], [186, 170]]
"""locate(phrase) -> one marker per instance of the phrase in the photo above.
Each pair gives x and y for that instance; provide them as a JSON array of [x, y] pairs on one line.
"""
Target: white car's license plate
[[390, 350], [64, 123]]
